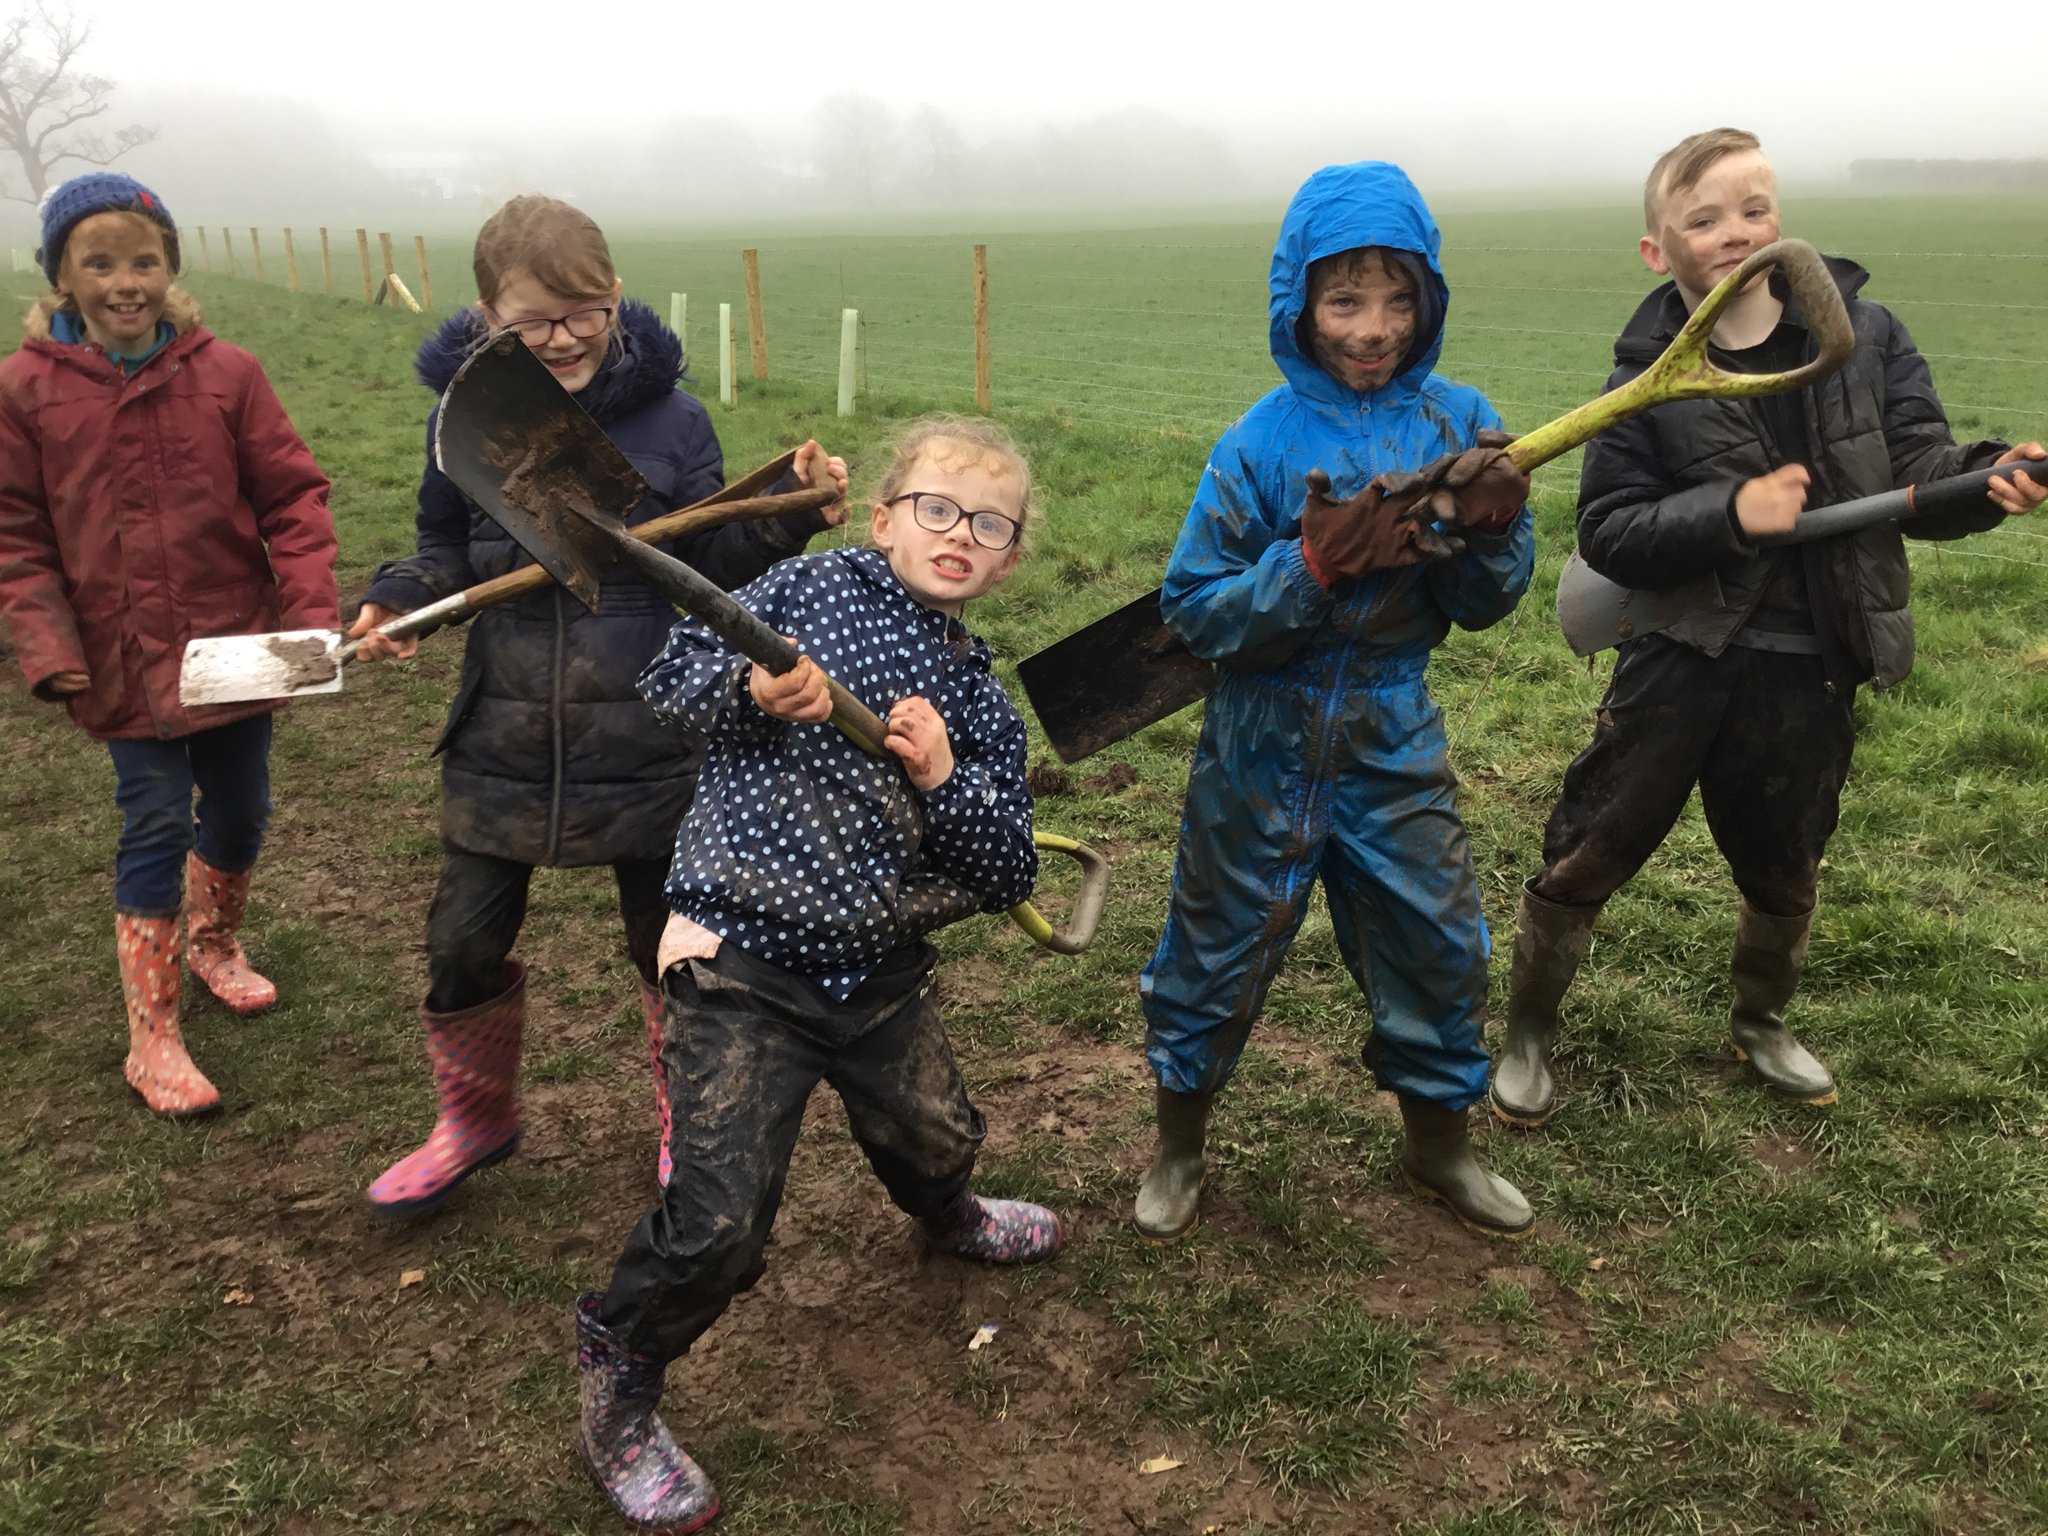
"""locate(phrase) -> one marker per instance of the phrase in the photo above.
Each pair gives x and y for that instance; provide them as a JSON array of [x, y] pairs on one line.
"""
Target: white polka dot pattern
[[799, 846]]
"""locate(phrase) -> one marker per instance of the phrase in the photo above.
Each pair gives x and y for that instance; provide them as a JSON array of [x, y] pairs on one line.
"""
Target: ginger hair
[[959, 440], [1680, 167], [560, 247]]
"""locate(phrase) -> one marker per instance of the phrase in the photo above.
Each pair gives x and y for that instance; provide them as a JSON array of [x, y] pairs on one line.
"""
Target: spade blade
[[1122, 673], [518, 445]]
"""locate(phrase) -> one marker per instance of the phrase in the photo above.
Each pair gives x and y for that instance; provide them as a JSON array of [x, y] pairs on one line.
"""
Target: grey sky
[[1584, 74]]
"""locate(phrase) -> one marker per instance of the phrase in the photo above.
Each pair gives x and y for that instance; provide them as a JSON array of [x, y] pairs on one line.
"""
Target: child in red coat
[[152, 490]]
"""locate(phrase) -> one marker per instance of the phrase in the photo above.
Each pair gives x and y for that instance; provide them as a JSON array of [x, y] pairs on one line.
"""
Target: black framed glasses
[[583, 324], [936, 513]]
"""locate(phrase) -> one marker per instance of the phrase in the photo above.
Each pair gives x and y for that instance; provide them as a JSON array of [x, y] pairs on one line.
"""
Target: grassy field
[[1733, 1316]]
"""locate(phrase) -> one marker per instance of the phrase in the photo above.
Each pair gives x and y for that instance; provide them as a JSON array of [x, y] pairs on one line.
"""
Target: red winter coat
[[136, 513]]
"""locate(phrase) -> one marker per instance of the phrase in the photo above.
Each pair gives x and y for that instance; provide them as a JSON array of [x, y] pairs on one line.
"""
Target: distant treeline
[[1950, 175]]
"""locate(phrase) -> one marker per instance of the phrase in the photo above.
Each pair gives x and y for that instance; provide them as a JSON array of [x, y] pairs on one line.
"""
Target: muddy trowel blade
[[234, 669], [519, 446]]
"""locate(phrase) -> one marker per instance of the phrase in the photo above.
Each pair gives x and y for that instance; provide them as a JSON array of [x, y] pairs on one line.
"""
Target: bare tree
[[45, 98]]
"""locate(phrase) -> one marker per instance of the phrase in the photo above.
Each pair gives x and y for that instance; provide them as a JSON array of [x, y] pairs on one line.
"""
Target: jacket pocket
[[459, 707]]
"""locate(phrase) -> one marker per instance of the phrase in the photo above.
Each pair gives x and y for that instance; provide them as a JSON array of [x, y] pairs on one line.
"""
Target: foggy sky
[[263, 101]]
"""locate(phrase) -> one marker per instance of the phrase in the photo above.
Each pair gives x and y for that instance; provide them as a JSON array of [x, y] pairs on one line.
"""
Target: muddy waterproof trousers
[[480, 905], [1356, 791], [1763, 734], [746, 1044]]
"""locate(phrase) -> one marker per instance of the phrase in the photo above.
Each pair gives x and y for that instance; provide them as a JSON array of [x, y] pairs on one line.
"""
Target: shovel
[[229, 669], [1596, 613], [1128, 670], [510, 437]]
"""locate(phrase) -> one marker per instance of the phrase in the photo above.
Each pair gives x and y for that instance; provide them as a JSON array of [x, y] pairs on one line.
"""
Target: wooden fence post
[[849, 346], [419, 249], [205, 250], [728, 381], [679, 319], [326, 265], [291, 261], [227, 245], [363, 251], [981, 392], [757, 327], [384, 246], [256, 253]]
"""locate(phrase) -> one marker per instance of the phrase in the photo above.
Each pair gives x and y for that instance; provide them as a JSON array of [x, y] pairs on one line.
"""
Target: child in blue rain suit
[[1319, 570]]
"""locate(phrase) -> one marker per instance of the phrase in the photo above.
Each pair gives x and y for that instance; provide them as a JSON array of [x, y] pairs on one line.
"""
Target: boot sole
[[1521, 1120], [1817, 1101], [400, 1208], [1506, 1234], [717, 1507], [199, 1112]]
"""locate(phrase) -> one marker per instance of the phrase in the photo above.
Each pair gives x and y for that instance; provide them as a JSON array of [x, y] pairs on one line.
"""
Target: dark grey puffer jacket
[[1657, 494], [550, 755]]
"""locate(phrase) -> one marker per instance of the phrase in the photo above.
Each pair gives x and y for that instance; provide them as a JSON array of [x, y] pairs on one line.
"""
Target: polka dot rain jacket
[[805, 850]]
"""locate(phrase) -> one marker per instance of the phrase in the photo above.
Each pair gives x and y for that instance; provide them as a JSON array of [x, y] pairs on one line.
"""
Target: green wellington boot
[[1550, 941], [1170, 1199], [1439, 1164], [1770, 956]]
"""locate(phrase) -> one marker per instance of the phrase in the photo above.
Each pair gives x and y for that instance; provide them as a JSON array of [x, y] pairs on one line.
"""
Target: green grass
[[1734, 1317]]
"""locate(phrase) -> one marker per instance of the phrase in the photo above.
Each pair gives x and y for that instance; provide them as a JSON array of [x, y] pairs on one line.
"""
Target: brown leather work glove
[[1479, 490], [1376, 530]]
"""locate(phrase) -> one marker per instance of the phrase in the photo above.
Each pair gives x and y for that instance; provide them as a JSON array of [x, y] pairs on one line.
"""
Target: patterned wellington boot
[[215, 900], [475, 1057], [1438, 1162], [996, 1231], [1770, 957], [157, 1066], [654, 1008], [635, 1460], [1170, 1199]]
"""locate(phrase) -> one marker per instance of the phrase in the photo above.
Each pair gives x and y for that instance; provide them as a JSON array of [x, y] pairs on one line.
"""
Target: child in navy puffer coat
[[549, 756]]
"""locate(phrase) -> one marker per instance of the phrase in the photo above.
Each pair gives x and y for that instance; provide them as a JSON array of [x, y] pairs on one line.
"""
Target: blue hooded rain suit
[[1322, 753]]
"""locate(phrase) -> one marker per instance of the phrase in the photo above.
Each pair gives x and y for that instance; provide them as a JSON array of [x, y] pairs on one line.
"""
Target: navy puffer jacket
[[550, 754]]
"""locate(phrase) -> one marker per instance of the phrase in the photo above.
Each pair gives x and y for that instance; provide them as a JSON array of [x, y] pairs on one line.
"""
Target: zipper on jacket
[[555, 742]]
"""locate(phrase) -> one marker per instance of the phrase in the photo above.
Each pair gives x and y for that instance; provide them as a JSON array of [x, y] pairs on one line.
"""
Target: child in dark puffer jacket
[[152, 490], [549, 756]]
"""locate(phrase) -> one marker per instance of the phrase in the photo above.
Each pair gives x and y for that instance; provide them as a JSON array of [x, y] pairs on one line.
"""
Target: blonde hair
[[969, 439], [560, 247], [1680, 167]]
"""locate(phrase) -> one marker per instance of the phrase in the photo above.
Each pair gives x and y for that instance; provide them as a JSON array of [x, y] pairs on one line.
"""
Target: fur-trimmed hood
[[180, 308], [645, 361]]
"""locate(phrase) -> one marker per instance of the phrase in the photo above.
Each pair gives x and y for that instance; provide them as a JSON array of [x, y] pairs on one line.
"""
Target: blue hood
[[645, 363], [1341, 208]]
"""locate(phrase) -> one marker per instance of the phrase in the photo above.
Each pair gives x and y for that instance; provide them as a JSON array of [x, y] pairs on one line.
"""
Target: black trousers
[[1765, 737], [747, 1042], [478, 909]]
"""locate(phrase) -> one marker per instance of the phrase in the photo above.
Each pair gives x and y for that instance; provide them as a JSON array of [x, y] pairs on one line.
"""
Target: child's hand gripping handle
[[1684, 372]]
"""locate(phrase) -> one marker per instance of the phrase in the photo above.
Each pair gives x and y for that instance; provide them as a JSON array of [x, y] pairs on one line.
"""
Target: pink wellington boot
[[157, 1066], [654, 1008], [474, 1054], [215, 900]]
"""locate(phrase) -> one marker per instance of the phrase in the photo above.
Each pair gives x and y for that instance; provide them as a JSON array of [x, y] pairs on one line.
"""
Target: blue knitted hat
[[98, 192]]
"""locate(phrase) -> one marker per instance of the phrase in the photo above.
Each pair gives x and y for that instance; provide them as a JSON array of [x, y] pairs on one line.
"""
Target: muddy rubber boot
[[648, 1477], [1170, 1199], [1770, 956], [474, 1054], [157, 1066], [654, 1009], [1439, 1164], [996, 1231], [1551, 940], [215, 901]]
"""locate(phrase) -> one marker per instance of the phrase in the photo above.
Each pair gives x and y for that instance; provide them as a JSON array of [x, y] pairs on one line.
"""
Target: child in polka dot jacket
[[807, 873]]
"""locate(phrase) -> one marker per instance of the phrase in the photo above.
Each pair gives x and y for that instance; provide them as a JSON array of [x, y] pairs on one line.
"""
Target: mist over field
[[648, 113]]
